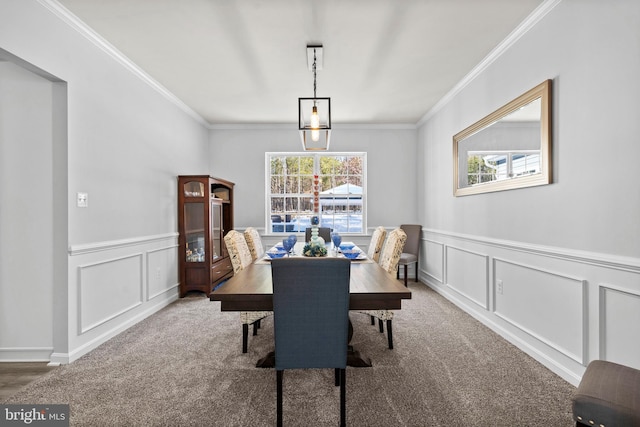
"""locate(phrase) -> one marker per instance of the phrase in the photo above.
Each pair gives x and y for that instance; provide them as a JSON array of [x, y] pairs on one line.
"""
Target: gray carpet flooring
[[183, 366]]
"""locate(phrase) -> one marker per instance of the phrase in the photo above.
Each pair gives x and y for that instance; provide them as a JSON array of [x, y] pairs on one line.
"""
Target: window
[[342, 192]]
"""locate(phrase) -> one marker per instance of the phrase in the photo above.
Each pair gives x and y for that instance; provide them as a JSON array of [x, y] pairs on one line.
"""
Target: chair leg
[[255, 327], [245, 337], [389, 334], [405, 275], [416, 271], [337, 377], [279, 398], [381, 325], [373, 320], [343, 397]]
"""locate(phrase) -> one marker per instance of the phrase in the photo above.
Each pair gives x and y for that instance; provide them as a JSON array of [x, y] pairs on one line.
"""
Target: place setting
[[290, 247]]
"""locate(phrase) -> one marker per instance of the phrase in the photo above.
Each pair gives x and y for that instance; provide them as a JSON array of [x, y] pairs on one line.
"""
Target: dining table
[[370, 288]]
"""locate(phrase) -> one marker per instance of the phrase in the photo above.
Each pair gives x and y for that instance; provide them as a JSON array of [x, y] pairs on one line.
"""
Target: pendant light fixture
[[314, 114]]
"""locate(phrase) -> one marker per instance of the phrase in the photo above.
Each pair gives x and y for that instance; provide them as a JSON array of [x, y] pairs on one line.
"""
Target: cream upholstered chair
[[389, 258], [254, 242], [240, 259], [375, 246]]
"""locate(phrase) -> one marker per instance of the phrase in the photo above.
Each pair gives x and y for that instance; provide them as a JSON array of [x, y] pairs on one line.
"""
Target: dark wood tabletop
[[371, 288]]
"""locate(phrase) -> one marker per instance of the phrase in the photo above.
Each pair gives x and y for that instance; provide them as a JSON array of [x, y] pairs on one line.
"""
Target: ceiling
[[238, 62]]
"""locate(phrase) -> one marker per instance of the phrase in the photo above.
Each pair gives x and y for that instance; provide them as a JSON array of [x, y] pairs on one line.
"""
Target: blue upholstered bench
[[608, 396]]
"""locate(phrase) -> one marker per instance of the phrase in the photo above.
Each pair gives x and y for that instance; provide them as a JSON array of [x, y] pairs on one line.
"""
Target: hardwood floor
[[14, 376]]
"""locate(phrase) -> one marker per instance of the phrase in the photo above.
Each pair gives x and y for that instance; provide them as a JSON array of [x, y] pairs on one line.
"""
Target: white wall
[[568, 254], [127, 141], [26, 214], [239, 156]]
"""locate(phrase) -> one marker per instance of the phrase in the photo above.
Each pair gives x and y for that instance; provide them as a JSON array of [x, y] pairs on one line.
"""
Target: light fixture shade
[[312, 137], [321, 144]]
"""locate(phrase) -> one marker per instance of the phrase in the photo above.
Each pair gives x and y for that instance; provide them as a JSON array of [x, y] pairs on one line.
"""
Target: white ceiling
[[244, 61]]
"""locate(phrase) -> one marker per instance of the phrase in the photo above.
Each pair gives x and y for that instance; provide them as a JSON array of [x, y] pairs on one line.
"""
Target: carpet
[[183, 366]]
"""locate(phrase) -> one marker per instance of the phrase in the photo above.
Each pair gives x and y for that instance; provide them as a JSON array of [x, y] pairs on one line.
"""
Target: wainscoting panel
[[108, 289], [468, 274], [620, 325], [564, 307], [162, 271], [434, 255], [537, 301], [114, 285]]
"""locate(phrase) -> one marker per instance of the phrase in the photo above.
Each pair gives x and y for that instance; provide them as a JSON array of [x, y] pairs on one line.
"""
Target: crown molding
[[74, 22], [290, 126], [529, 22]]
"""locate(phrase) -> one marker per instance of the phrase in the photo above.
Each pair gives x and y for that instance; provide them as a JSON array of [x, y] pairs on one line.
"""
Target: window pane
[[306, 184], [277, 205], [277, 184], [277, 165], [293, 165], [306, 165], [292, 185], [356, 180], [306, 204], [291, 204]]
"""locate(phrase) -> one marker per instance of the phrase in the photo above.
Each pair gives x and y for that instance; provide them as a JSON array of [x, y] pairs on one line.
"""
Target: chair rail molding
[[115, 244], [592, 258]]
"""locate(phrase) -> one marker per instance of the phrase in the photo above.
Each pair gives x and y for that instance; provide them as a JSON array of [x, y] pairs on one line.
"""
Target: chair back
[[238, 250], [311, 312], [392, 250], [375, 246], [412, 245], [254, 242], [324, 232]]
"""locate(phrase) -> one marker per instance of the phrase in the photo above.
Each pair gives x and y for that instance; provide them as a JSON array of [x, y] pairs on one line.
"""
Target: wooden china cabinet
[[205, 214]]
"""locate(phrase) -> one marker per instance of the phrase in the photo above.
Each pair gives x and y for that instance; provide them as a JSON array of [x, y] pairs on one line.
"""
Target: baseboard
[[25, 354]]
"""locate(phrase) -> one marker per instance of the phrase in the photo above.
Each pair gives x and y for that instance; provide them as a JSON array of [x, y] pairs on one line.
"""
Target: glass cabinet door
[[193, 189], [216, 231], [194, 231]]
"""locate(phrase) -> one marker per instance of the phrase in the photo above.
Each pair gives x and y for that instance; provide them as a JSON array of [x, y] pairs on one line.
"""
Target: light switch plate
[[83, 200]]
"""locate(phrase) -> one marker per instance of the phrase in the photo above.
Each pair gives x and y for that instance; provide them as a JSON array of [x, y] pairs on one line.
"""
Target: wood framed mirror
[[510, 148]]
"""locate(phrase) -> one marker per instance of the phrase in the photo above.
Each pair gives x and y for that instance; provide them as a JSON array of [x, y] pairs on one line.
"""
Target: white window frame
[[316, 156]]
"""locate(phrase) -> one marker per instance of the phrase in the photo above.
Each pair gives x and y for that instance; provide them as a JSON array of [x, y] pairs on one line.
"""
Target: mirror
[[510, 148]]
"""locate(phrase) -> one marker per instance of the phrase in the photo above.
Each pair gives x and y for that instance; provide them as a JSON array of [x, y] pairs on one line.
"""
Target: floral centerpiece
[[314, 250]]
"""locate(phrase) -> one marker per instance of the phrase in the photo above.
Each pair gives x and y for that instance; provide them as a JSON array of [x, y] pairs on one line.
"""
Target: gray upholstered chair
[[411, 252], [324, 232], [311, 319], [254, 242], [608, 395], [389, 258], [375, 246], [240, 259]]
